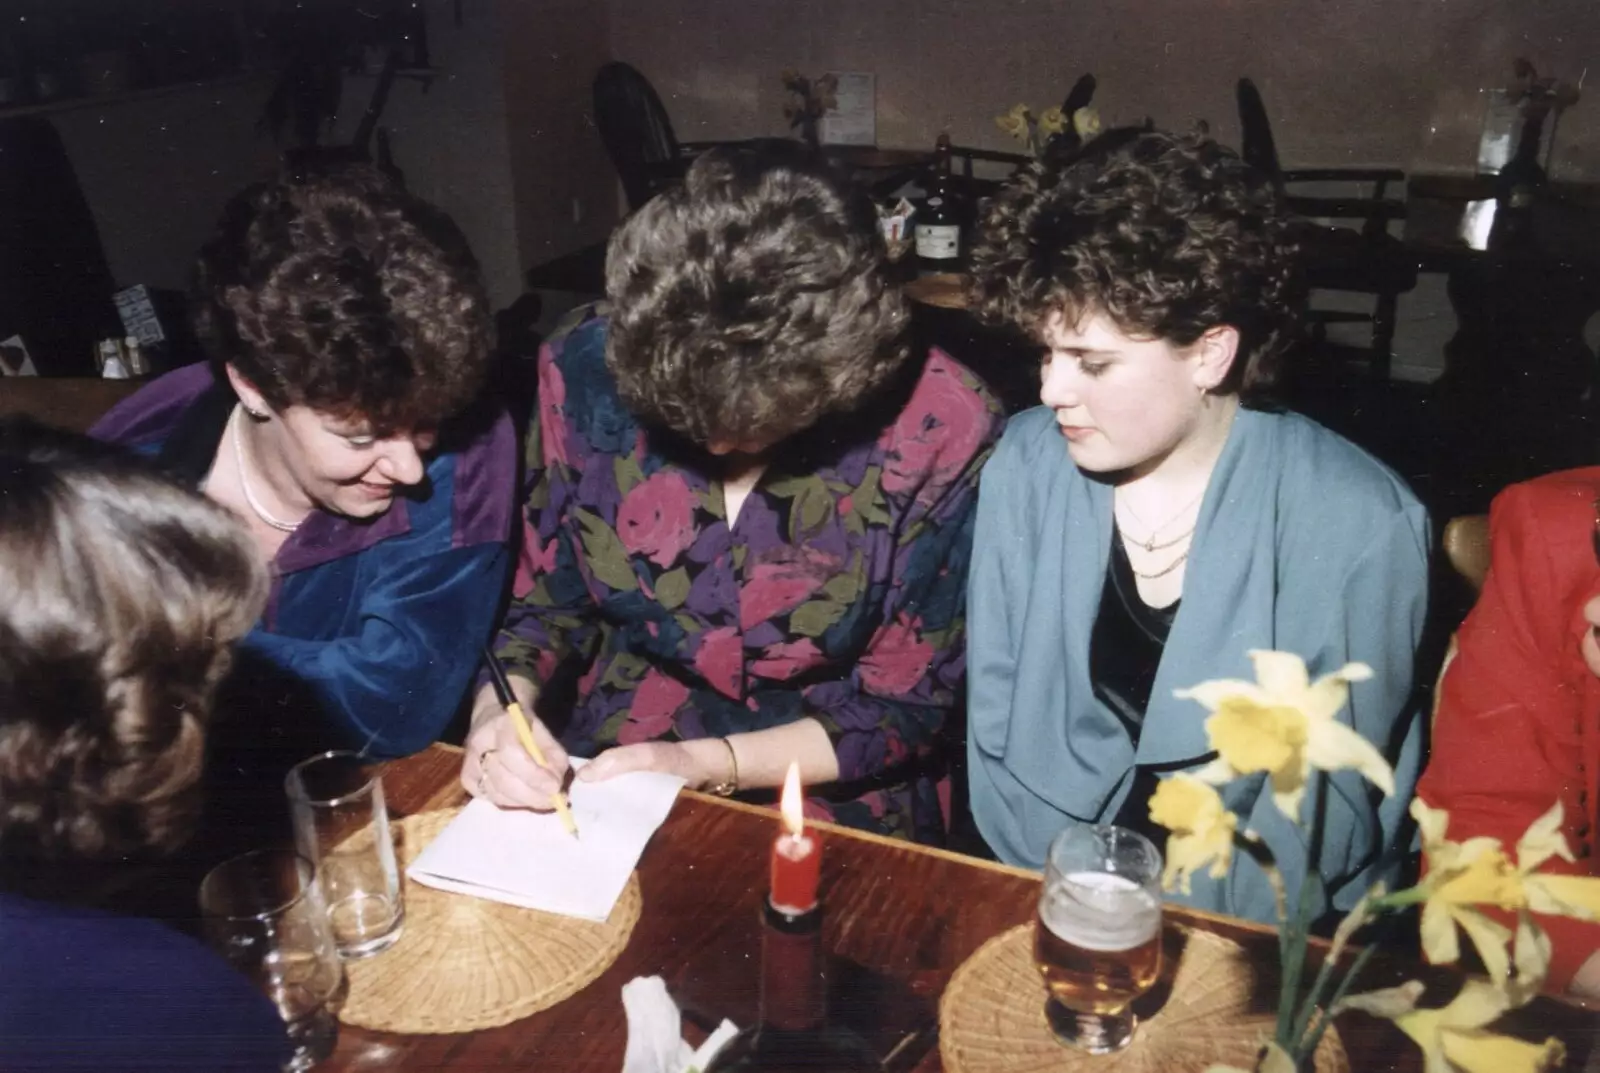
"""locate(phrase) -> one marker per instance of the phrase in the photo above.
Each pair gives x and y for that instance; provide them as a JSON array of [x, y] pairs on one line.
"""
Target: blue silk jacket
[[376, 623]]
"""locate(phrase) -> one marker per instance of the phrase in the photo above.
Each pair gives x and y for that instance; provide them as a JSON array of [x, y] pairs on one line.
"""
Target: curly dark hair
[[124, 592], [1168, 235], [337, 290], [752, 301]]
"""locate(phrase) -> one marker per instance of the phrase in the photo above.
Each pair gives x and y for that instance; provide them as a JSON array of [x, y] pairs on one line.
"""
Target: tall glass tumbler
[[263, 912], [1098, 938], [342, 825]]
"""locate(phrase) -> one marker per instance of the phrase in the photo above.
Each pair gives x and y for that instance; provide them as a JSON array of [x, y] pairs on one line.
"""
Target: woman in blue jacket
[[350, 333], [1152, 522]]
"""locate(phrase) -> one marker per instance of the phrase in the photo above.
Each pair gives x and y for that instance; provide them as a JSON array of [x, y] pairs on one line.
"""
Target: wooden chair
[[638, 134], [1364, 259]]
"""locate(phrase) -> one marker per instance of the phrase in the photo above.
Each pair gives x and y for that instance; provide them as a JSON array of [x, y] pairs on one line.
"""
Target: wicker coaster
[[465, 963], [992, 1015]]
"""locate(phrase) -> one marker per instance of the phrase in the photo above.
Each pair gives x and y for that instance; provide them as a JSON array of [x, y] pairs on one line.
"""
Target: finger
[[554, 754], [477, 743], [485, 706], [516, 782], [518, 774]]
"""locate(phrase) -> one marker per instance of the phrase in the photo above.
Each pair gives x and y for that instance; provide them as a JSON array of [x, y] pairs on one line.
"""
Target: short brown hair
[[123, 594], [1169, 236], [339, 291], [752, 301]]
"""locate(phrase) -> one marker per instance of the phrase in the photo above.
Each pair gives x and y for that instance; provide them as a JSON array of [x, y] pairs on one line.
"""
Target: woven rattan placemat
[[992, 1015], [466, 963]]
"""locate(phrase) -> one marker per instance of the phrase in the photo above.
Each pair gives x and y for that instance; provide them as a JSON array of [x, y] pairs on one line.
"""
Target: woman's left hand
[[680, 758]]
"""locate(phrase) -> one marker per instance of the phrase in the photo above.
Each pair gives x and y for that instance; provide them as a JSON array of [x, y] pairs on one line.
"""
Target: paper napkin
[[655, 1032], [528, 859]]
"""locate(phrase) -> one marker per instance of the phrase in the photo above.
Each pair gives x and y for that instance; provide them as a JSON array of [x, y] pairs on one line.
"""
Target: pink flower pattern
[[819, 601]]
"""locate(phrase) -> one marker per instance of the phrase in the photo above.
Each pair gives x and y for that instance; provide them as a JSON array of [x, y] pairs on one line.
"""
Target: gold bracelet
[[729, 786]]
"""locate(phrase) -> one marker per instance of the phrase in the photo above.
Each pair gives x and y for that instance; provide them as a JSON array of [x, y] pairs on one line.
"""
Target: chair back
[[1255, 133], [1466, 546], [636, 130]]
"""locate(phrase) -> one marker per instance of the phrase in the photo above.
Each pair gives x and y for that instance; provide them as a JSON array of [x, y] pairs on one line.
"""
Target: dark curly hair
[[752, 302], [337, 290], [123, 593], [1169, 236]]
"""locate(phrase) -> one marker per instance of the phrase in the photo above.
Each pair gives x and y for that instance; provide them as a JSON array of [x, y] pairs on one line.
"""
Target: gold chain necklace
[[1149, 543]]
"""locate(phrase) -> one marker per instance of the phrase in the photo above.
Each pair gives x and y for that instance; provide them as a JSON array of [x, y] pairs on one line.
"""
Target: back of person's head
[[1170, 236], [337, 290], [123, 593], [752, 301]]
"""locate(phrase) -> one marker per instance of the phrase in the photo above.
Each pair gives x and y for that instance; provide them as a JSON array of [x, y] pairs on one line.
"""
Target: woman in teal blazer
[[1149, 525]]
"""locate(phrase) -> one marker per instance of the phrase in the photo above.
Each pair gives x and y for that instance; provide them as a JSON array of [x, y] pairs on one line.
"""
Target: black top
[[1124, 652]]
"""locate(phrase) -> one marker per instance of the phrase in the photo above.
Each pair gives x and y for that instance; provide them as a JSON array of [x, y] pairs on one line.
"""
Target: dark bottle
[[793, 1032], [937, 228]]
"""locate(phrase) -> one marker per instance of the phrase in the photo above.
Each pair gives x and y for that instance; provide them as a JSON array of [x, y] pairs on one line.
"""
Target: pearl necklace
[[244, 483]]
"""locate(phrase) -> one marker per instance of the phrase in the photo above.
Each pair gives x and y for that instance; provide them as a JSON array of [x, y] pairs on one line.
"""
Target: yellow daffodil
[[1015, 122], [1086, 121], [1051, 121], [1202, 829], [1464, 878], [1285, 725], [1453, 1039]]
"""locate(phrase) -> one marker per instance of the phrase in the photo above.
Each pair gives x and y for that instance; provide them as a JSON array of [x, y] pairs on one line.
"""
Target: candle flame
[[792, 804]]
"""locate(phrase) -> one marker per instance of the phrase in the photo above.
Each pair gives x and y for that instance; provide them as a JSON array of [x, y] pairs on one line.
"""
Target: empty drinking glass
[[263, 912], [342, 826]]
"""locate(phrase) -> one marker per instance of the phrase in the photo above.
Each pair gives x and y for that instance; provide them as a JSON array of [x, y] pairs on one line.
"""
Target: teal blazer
[[1304, 544]]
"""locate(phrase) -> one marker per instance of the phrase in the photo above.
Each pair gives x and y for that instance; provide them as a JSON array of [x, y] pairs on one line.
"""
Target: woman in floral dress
[[748, 515]]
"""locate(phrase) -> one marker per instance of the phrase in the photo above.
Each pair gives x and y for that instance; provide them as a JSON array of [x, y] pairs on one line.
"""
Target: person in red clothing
[[1518, 718]]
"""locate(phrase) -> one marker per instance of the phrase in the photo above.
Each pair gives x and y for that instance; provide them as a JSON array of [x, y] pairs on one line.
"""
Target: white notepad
[[528, 859]]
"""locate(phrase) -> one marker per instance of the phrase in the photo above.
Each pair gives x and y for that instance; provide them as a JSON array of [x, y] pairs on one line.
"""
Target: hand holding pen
[[501, 769]]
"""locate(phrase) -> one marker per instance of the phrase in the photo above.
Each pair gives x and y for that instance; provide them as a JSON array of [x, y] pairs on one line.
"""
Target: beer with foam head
[[1098, 942]]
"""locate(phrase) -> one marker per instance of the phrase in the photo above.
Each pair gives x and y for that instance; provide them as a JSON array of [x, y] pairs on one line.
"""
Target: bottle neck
[[794, 992]]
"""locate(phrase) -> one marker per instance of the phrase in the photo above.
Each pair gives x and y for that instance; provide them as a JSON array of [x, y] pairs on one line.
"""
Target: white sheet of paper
[[528, 859]]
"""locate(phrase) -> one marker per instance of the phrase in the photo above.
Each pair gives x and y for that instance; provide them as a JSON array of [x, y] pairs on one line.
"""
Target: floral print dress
[[838, 593]]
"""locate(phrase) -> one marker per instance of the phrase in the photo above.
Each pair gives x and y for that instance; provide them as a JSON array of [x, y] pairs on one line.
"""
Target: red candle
[[796, 853]]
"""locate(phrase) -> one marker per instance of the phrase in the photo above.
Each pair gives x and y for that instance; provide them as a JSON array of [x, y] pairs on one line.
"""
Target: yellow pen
[[508, 699]]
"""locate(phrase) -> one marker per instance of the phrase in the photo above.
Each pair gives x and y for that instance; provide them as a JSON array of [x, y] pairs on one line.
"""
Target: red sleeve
[[1517, 706]]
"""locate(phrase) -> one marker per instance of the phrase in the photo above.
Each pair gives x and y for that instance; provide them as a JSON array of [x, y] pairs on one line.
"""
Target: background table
[[911, 912]]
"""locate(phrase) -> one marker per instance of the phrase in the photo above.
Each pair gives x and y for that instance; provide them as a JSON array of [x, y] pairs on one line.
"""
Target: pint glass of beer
[[1098, 937]]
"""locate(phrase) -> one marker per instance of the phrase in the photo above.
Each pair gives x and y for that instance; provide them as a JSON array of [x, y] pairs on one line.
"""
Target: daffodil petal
[[1389, 1003], [1530, 954], [1216, 773], [1490, 938], [1542, 840], [1423, 1027], [1568, 896], [1282, 674], [1212, 694], [1438, 932], [1332, 746], [1431, 822], [1490, 1052], [1288, 801]]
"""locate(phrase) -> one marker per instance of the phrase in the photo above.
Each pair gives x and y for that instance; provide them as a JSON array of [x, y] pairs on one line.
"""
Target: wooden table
[[907, 911]]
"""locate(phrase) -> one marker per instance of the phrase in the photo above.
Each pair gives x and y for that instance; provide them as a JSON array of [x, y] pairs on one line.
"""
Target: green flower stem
[[1339, 992], [1364, 911], [1295, 936]]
